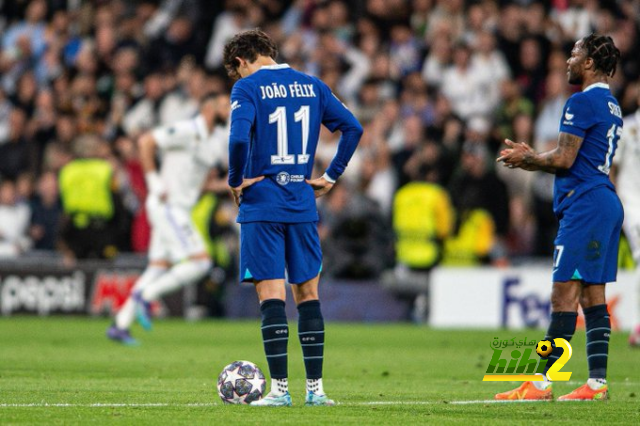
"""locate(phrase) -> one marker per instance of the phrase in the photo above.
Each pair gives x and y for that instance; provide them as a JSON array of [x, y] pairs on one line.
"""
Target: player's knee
[[592, 295], [196, 268], [203, 265], [302, 294], [563, 302], [159, 264], [585, 301]]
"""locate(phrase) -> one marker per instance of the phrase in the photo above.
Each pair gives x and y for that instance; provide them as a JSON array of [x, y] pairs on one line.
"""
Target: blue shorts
[[268, 248], [586, 247]]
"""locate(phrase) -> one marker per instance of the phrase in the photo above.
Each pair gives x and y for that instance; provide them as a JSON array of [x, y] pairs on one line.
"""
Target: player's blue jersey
[[595, 116], [275, 124]]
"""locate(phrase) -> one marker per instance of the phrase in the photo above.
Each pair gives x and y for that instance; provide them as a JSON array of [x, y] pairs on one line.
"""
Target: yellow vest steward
[[474, 240], [85, 188], [422, 214]]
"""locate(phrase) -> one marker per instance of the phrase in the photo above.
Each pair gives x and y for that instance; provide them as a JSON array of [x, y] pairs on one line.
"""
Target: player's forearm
[[147, 148], [238, 151], [561, 157], [346, 147], [544, 162]]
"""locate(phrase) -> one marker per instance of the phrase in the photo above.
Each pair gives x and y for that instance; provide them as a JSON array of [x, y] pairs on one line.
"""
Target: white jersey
[[627, 159], [187, 153]]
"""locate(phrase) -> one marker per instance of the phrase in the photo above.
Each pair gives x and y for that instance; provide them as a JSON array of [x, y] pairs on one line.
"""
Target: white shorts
[[174, 237]]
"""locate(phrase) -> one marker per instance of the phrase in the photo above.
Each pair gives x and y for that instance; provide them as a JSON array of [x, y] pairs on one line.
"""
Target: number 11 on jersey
[[279, 116]]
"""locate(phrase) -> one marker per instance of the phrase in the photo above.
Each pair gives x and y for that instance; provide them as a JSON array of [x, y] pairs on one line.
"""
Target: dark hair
[[247, 45], [603, 51], [209, 96]]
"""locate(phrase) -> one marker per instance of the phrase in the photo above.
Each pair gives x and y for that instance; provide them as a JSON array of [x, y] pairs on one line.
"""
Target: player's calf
[[181, 274], [275, 337]]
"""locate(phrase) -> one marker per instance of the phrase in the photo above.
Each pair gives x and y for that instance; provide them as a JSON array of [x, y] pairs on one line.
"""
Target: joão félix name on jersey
[[296, 90]]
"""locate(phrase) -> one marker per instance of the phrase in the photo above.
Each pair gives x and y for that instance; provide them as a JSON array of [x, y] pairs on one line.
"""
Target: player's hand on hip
[[246, 182], [320, 186]]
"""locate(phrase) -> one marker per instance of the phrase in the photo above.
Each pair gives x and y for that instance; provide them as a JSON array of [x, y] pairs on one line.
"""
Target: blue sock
[[275, 336], [562, 326], [598, 327], [311, 334]]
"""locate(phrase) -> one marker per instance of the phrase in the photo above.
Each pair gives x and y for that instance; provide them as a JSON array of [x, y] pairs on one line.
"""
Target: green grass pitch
[[64, 371]]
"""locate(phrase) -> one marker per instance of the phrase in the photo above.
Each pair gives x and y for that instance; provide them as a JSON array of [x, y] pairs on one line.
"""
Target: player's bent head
[[247, 45], [603, 51]]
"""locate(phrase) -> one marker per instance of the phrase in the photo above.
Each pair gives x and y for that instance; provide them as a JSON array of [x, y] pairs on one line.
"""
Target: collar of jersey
[[596, 85], [274, 67]]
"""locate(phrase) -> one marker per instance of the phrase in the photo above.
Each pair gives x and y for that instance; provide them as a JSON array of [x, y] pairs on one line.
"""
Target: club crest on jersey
[[283, 178]]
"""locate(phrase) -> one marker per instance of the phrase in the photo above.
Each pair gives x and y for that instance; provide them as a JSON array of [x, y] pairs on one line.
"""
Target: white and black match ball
[[241, 382]]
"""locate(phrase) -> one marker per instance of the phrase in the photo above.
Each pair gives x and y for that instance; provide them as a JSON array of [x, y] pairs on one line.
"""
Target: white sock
[[596, 384], [542, 385], [315, 386], [182, 274], [279, 386], [126, 314]]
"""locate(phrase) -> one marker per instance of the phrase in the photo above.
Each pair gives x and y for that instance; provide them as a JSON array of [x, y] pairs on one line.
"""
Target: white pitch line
[[492, 401], [478, 401], [162, 404], [211, 404], [390, 403], [106, 405]]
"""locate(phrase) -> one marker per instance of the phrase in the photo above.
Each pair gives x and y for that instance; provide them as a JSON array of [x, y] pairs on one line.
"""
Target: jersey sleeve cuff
[[328, 178], [573, 131]]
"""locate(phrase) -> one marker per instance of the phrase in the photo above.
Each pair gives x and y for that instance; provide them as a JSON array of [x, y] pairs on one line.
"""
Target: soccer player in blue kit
[[275, 123], [589, 212]]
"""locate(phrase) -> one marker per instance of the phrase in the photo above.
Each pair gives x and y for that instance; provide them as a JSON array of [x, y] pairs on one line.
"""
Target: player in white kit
[[177, 253], [627, 168]]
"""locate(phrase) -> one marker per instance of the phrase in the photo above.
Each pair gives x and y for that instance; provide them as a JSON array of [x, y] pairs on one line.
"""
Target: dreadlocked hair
[[604, 53], [247, 45]]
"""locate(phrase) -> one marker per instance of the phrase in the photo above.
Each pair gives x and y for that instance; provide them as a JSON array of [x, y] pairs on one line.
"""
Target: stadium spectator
[[166, 51], [46, 213], [463, 86], [477, 192], [423, 218], [14, 221], [91, 207], [491, 66], [355, 235], [145, 114], [14, 154], [513, 104], [532, 69], [437, 60]]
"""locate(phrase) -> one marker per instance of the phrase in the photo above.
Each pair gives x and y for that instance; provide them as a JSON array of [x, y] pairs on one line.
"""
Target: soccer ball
[[544, 348], [241, 382]]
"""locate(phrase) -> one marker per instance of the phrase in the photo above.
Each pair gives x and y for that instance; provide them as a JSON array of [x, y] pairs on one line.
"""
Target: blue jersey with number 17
[[595, 116], [275, 124]]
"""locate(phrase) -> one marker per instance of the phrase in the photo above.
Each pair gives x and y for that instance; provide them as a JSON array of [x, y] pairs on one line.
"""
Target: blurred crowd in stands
[[437, 84]]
